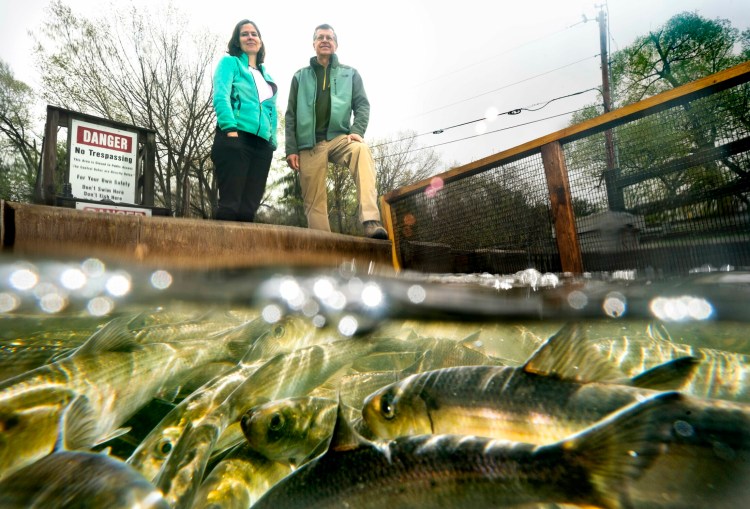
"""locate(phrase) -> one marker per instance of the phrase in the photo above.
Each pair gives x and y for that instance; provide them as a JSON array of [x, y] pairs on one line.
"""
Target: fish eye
[[10, 422], [276, 422], [164, 447], [278, 331], [387, 406]]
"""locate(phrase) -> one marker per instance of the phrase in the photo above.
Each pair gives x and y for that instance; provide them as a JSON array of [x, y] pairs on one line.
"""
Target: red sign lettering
[[103, 139]]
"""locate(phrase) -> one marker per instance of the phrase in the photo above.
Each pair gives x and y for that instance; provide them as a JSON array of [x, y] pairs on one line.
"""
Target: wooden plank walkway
[[168, 242]]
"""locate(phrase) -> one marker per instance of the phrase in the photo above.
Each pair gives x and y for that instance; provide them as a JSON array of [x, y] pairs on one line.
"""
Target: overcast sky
[[427, 65]]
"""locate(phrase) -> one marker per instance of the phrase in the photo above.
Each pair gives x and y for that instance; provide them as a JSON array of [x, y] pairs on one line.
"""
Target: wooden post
[[44, 191], [564, 219], [149, 169], [387, 214]]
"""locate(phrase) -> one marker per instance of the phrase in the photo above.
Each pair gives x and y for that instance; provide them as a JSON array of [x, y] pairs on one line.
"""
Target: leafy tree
[[145, 69], [686, 48], [19, 154]]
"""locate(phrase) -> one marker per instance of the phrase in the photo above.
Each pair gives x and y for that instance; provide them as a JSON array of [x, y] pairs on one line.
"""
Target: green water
[[48, 310]]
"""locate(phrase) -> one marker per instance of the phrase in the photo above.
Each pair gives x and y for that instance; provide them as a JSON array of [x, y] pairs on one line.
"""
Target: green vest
[[344, 97]]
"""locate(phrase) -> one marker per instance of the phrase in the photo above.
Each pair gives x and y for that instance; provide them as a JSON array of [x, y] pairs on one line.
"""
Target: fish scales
[[99, 382], [285, 375], [443, 471]]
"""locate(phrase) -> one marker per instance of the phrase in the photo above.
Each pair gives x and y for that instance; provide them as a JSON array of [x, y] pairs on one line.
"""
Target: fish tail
[[621, 447]]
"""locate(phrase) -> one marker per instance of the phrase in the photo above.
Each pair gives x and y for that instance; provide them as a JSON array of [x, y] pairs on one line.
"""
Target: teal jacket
[[236, 100], [347, 97]]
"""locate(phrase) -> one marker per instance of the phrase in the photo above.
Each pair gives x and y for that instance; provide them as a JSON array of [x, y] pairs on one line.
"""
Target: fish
[[290, 333], [239, 480], [285, 375], [592, 468], [446, 352], [82, 399], [291, 429], [720, 374], [526, 403], [563, 389], [19, 355], [149, 456], [79, 479], [189, 326]]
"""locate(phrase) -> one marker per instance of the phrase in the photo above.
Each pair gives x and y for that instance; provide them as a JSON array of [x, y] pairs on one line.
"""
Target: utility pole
[[614, 193]]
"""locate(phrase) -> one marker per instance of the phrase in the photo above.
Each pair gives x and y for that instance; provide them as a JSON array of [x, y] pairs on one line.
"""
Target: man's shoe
[[375, 230]]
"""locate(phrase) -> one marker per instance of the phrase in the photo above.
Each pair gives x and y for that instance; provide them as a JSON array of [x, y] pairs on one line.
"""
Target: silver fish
[[239, 480], [149, 457], [291, 429], [79, 479], [594, 468], [81, 399], [553, 396], [720, 374], [285, 375]]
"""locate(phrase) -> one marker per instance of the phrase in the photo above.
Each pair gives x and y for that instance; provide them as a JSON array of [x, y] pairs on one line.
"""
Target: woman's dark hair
[[233, 47]]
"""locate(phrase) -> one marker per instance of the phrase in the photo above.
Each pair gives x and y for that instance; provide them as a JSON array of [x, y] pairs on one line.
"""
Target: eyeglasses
[[325, 38]]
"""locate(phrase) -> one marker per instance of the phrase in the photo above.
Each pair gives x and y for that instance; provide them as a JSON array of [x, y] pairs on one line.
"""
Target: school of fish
[[194, 407]]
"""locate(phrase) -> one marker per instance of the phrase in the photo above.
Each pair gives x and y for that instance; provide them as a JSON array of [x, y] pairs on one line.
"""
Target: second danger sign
[[102, 162]]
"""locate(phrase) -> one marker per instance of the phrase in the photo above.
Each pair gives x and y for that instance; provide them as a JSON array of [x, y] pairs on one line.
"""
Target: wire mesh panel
[[676, 197], [661, 185], [497, 220]]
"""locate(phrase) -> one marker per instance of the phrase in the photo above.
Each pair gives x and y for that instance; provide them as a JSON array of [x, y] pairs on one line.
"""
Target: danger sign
[[102, 139], [103, 162]]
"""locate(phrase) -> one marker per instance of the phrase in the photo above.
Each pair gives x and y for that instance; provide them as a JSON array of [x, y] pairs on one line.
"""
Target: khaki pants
[[313, 165]]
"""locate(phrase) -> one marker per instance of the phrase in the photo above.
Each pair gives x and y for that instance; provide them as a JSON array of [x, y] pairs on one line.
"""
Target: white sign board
[[102, 162], [113, 209]]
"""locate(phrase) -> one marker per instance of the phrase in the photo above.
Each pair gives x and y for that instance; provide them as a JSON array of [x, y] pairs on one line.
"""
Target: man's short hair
[[325, 26]]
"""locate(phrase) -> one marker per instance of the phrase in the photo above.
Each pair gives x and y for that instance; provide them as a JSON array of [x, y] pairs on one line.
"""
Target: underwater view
[[129, 387]]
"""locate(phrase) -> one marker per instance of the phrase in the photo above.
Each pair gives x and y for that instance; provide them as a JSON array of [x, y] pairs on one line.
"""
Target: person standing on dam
[[244, 99], [323, 98]]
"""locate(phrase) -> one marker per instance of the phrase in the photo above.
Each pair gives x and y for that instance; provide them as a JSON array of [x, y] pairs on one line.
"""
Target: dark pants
[[241, 168]]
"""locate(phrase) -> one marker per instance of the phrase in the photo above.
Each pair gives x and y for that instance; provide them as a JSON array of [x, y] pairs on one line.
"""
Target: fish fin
[[78, 426], [568, 355], [622, 446], [115, 336], [112, 435], [62, 355], [254, 354], [658, 331], [472, 341], [344, 437], [667, 376]]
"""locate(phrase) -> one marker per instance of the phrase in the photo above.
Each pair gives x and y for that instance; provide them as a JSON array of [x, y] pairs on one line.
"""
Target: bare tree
[[402, 161], [19, 155], [145, 69]]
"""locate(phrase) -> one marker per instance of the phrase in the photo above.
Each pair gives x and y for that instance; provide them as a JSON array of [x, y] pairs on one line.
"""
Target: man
[[319, 129]]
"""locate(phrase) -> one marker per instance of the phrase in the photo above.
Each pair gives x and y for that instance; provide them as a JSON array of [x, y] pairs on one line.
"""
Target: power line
[[514, 111], [482, 134]]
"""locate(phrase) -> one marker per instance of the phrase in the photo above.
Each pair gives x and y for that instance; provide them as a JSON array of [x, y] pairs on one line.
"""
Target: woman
[[245, 104]]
